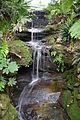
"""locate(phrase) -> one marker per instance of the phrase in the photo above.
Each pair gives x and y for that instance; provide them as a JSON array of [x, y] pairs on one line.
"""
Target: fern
[[75, 30], [65, 27], [76, 59]]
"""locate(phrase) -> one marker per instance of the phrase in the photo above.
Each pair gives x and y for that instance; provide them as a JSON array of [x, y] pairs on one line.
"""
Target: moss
[[70, 76], [72, 108], [51, 27], [7, 111], [70, 94], [74, 111], [66, 98], [20, 52], [10, 114]]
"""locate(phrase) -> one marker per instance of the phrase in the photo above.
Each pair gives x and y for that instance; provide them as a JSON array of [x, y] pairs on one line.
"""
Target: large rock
[[20, 52], [7, 111]]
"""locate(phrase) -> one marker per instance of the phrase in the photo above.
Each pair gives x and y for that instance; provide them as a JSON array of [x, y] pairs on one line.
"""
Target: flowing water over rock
[[39, 98]]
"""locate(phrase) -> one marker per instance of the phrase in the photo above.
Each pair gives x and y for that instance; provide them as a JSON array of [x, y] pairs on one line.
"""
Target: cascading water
[[32, 94], [35, 74]]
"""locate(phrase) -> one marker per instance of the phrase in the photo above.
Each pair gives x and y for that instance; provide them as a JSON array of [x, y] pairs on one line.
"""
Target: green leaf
[[53, 53], [13, 67], [1, 67], [75, 30], [2, 84], [12, 82], [66, 5], [6, 71]]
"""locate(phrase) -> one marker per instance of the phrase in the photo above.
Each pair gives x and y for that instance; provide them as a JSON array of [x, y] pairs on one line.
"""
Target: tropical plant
[[65, 27], [70, 5], [75, 30], [58, 59], [7, 82], [76, 59], [54, 8], [66, 5], [2, 83], [6, 67], [11, 12], [12, 82]]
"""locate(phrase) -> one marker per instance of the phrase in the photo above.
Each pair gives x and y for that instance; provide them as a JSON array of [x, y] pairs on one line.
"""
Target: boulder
[[20, 52]]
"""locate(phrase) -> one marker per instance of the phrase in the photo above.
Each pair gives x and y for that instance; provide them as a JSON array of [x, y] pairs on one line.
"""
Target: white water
[[35, 30], [26, 96]]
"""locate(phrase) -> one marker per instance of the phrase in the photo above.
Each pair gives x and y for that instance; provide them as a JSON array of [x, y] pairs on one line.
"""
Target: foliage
[[76, 59], [75, 30], [70, 5], [66, 5], [64, 29], [2, 83], [9, 67], [22, 54], [6, 66], [3, 49], [53, 9], [12, 81], [51, 41], [12, 11], [58, 59], [6, 82]]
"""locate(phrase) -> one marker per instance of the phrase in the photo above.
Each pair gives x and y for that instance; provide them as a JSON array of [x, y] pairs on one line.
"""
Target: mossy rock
[[71, 104], [74, 111], [20, 52], [7, 110], [66, 98], [50, 27], [10, 114]]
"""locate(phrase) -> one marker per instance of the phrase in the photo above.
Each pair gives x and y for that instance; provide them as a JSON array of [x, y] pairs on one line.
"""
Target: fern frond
[[75, 30]]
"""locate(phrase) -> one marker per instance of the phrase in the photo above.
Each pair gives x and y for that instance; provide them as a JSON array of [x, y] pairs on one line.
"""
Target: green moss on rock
[[70, 94], [7, 111], [20, 52], [66, 98], [74, 111]]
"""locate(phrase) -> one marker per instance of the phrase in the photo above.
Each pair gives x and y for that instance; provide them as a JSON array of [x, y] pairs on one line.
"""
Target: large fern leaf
[[75, 30]]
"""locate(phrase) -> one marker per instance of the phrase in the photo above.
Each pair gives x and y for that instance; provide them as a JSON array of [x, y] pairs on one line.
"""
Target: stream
[[41, 89]]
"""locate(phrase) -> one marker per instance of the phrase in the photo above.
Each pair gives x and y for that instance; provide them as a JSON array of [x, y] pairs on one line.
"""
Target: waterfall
[[38, 48], [36, 52]]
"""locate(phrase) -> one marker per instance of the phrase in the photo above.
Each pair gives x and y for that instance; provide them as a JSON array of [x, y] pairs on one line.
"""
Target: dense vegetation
[[13, 16], [65, 14]]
